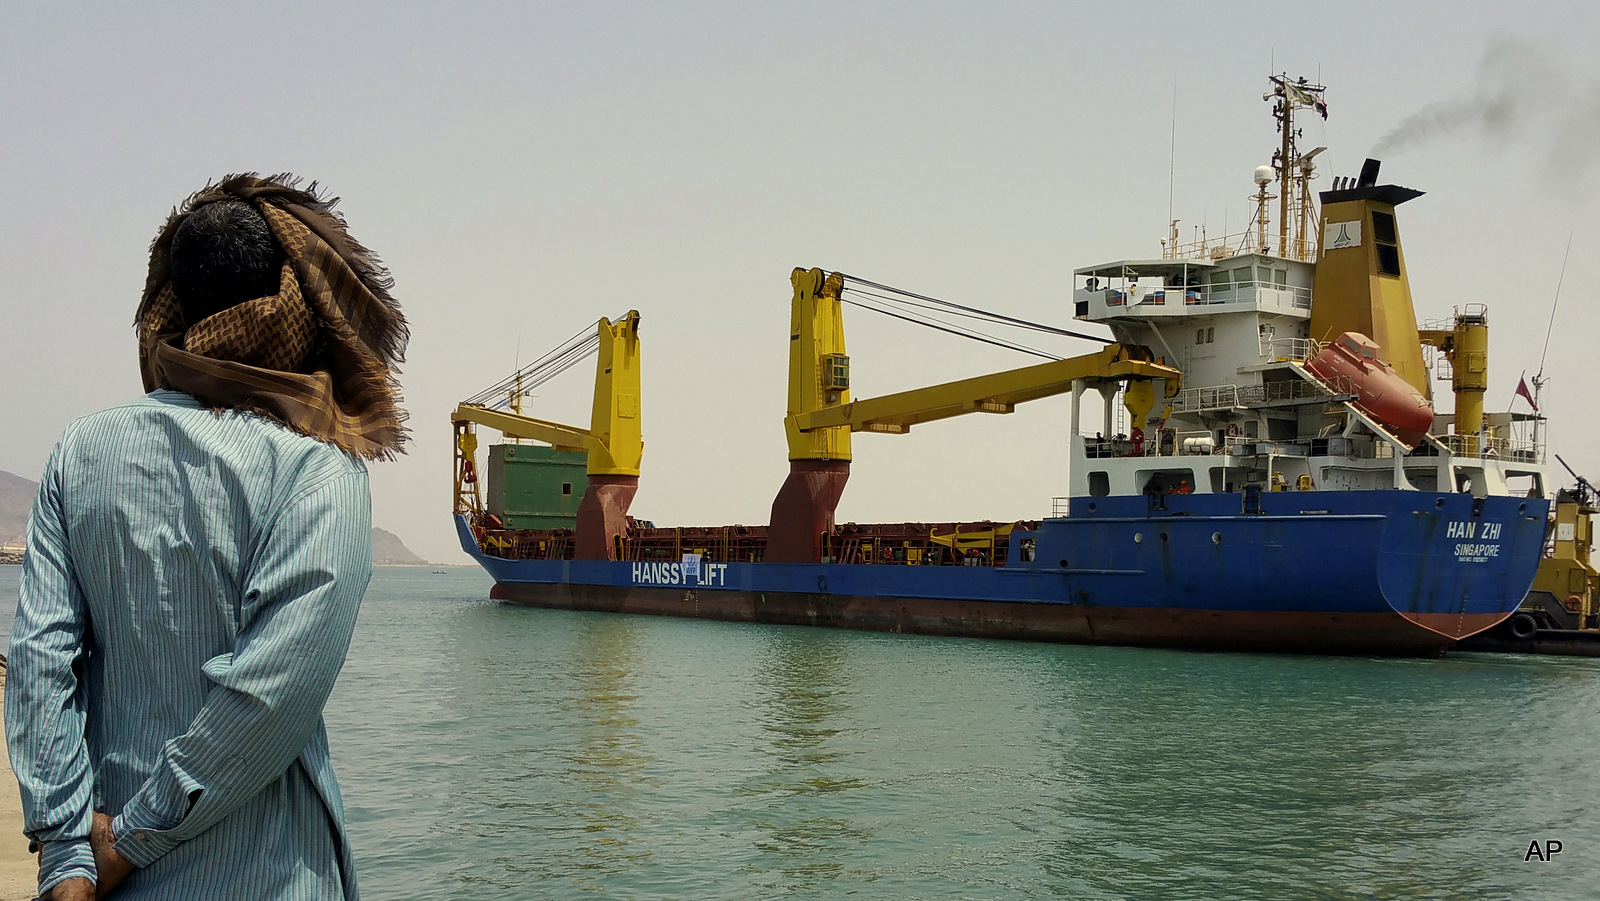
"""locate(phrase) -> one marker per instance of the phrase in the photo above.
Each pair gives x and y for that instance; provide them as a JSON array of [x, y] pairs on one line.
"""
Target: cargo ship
[[1254, 460]]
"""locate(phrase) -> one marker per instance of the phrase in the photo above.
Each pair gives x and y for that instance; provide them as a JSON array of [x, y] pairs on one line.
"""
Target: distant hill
[[16, 499], [389, 550]]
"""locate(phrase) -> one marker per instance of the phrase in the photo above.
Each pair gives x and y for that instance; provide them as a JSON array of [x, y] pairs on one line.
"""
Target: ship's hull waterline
[[1380, 572]]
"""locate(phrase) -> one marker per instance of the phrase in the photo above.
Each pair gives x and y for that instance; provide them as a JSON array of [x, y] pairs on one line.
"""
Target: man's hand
[[75, 889], [110, 866]]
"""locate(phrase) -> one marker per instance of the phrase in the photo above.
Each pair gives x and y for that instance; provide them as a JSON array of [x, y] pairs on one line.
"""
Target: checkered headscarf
[[320, 356]]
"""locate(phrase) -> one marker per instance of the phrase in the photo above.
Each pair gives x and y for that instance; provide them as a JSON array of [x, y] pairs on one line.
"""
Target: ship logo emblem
[[1338, 235]]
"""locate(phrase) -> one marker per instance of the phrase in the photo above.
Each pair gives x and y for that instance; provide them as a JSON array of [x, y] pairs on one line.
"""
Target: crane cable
[[889, 301], [536, 373], [951, 329], [903, 304], [563, 357]]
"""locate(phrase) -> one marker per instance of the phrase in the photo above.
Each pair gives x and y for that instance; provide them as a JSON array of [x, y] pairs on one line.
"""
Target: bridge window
[[1166, 481], [1423, 479], [1470, 480], [1524, 484]]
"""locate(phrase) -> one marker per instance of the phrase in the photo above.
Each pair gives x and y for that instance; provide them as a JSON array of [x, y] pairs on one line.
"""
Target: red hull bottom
[[1457, 625], [1233, 630]]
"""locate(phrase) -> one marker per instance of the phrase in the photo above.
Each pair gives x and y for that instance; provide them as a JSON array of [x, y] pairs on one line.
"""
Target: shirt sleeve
[[301, 597], [44, 706]]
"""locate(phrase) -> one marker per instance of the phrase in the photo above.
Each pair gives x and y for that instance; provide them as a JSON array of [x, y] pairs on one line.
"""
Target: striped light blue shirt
[[188, 595]]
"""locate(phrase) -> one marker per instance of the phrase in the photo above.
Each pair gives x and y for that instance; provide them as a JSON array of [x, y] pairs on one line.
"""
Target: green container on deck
[[536, 487]]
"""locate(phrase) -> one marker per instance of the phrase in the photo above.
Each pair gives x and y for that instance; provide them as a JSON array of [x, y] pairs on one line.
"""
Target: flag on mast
[[1525, 394], [1306, 96]]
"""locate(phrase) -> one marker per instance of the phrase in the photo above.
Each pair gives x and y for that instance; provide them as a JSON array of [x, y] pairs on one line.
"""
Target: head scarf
[[320, 356]]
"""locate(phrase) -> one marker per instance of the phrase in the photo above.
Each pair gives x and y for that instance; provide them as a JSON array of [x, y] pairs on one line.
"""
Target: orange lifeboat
[[1380, 392]]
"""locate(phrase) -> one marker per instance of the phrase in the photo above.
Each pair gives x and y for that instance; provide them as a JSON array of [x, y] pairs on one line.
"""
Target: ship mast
[[1291, 166]]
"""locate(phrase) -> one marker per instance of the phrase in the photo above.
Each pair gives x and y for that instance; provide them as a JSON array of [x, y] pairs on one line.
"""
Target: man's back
[[196, 559], [212, 565]]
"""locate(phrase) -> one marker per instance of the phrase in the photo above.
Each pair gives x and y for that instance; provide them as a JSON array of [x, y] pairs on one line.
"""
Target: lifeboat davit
[[1380, 392]]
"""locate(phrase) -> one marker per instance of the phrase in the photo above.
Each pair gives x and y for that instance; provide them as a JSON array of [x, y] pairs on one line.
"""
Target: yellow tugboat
[[1561, 614]]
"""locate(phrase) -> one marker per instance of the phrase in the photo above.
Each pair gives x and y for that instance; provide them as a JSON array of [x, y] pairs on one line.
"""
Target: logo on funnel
[[1337, 235]]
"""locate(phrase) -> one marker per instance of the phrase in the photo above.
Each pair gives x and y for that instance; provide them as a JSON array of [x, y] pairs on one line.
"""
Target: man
[[195, 562]]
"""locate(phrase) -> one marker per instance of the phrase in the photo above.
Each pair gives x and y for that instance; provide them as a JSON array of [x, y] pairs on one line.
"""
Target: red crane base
[[603, 517], [803, 510]]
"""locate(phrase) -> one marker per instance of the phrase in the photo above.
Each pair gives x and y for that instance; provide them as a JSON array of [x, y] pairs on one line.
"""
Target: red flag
[[1525, 394]]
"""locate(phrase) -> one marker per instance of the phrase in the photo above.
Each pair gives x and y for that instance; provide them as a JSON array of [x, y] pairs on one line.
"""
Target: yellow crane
[[613, 441], [1465, 344], [822, 415]]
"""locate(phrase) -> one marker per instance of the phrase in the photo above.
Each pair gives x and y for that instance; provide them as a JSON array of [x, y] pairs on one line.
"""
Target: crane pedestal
[[603, 516], [803, 510]]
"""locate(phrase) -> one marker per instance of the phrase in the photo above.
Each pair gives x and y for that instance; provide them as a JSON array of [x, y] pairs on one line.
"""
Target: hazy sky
[[526, 168]]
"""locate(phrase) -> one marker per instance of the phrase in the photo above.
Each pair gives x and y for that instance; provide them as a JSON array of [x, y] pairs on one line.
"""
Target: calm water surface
[[492, 751]]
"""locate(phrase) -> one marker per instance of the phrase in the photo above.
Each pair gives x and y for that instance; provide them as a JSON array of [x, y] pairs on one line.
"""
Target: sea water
[[493, 751]]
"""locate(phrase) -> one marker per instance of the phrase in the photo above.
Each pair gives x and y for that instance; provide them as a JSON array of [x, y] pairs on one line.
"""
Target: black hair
[[223, 255]]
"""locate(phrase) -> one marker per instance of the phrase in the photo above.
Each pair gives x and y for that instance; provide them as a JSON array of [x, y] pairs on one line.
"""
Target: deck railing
[[1282, 349], [1227, 397], [1247, 241], [1494, 447], [1178, 297], [1211, 397]]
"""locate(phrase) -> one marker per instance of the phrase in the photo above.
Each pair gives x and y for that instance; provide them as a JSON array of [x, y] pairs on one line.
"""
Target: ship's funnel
[[1369, 174], [1361, 283]]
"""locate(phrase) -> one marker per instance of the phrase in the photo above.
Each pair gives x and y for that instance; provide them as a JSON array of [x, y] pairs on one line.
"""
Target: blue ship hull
[[1401, 572]]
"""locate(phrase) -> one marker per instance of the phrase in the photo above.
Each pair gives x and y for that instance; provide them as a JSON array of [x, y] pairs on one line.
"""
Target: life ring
[[1233, 430], [1574, 604], [1523, 626]]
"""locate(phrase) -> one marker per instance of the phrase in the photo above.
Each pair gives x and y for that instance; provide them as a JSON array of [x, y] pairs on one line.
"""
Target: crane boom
[[614, 442], [997, 392], [515, 425], [822, 415]]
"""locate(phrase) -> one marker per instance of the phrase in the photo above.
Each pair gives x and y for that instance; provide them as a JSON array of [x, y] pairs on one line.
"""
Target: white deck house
[[1249, 413]]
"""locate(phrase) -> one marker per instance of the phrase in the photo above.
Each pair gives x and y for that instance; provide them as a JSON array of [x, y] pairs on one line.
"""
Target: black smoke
[[1519, 96]]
